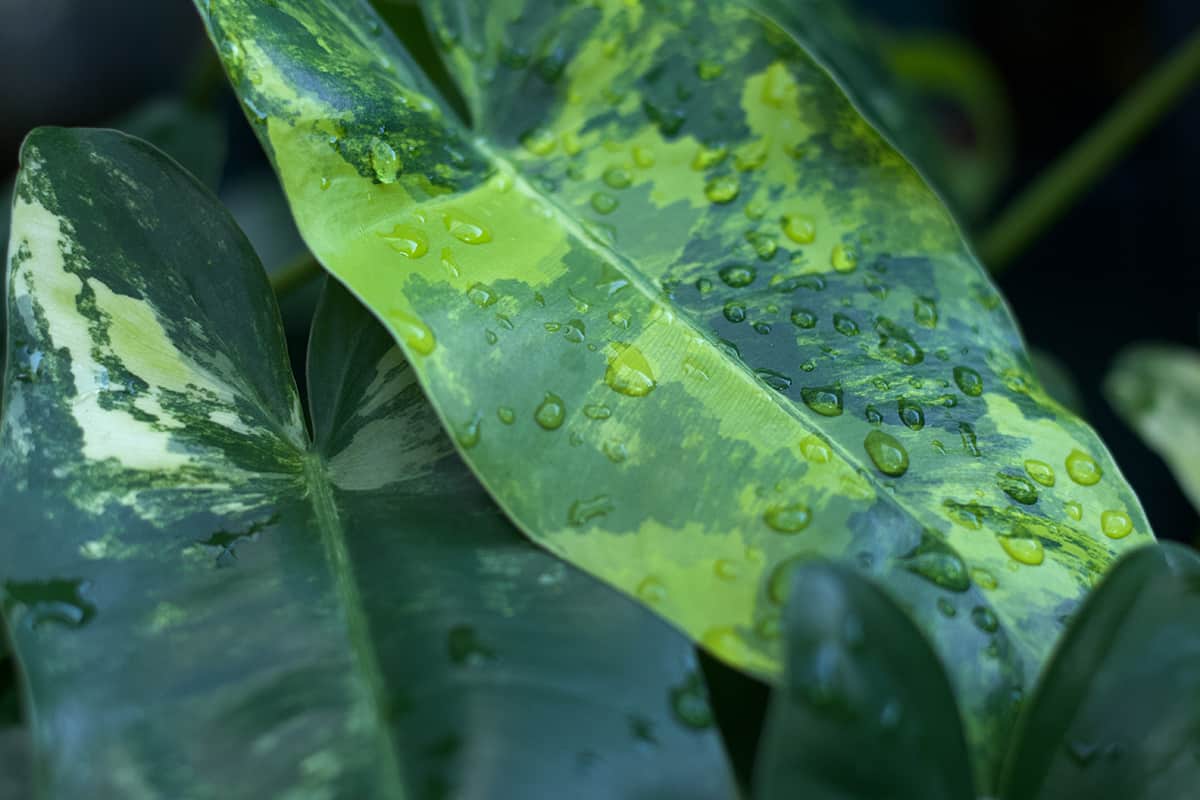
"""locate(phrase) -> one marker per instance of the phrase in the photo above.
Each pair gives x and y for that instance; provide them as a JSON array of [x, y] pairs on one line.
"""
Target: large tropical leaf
[[865, 710], [1156, 389], [690, 317], [1117, 716], [208, 605]]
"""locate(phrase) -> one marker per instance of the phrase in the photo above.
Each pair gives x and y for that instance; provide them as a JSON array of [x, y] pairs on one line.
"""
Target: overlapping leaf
[[207, 604], [691, 318]]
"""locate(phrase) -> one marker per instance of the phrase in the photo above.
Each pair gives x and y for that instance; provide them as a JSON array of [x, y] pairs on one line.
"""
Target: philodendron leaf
[[1117, 715], [691, 318], [865, 709], [208, 605], [1156, 390]]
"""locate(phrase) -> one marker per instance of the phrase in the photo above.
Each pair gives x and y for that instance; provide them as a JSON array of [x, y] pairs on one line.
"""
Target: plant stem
[[1052, 194], [295, 275]]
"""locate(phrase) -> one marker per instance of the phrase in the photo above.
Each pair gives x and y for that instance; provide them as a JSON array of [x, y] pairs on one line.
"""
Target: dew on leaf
[[970, 441], [604, 203], [551, 412], [597, 411], [1083, 469], [925, 312], [708, 157], [722, 190], [384, 160], [911, 413], [734, 311], [762, 328], [1115, 524], [985, 619], [615, 451], [776, 380], [1040, 471], [468, 433], [968, 381], [726, 570], [946, 608], [465, 229], [804, 319], [844, 257], [617, 178], [584, 510], [643, 156], [897, 343], [765, 246], [506, 415], [845, 325], [407, 240], [886, 453], [481, 294], [737, 275], [800, 228], [1074, 510], [788, 518], [814, 449], [575, 331], [1026, 550], [1017, 487], [824, 400], [873, 415], [934, 561], [539, 141], [651, 590], [629, 372], [689, 703], [984, 579], [412, 331]]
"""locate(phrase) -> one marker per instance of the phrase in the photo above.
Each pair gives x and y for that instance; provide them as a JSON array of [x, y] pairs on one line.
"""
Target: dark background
[[1122, 266]]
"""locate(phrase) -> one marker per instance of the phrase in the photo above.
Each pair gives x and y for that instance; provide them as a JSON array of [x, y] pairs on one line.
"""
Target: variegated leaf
[[209, 605], [691, 318]]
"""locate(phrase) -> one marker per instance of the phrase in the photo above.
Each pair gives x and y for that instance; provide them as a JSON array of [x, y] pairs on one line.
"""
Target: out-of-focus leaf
[[210, 605], [1056, 379], [690, 317], [1156, 390], [865, 709], [1117, 716], [15, 778]]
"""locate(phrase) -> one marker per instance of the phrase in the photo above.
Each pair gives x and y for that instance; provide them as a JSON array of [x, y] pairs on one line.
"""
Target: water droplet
[[873, 415], [616, 451], [1083, 469], [506, 415], [604, 203], [824, 400], [466, 649], [750, 156], [1115, 524], [325, 184], [946, 607], [762, 329], [629, 372], [911, 414], [970, 442], [412, 331], [765, 246], [575, 331], [582, 511], [482, 295], [652, 591], [384, 161], [465, 229], [734, 311], [800, 228], [1017, 487], [617, 178], [689, 702], [1024, 549], [968, 380], [844, 257], [816, 450], [789, 518], [726, 570], [737, 275], [619, 318], [597, 411], [468, 434], [1040, 471], [776, 380], [1074, 510], [551, 413], [802, 318], [709, 157], [723, 189], [407, 240], [934, 561], [888, 455], [845, 325], [925, 312], [53, 602], [643, 156], [985, 619], [539, 141], [897, 343], [984, 579]]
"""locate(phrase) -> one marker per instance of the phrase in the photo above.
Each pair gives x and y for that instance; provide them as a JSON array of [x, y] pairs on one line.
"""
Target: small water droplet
[[468, 434], [911, 414], [604, 203], [689, 702], [985, 619], [465, 229], [970, 442], [897, 343], [597, 411], [824, 400], [845, 325], [1074, 510], [804, 319], [946, 608], [1017, 487], [652, 591], [789, 518], [968, 380], [873, 415], [539, 141], [844, 257], [925, 312], [412, 331], [615, 451], [643, 156], [384, 161], [629, 372], [482, 295], [934, 561], [776, 380], [617, 178], [551, 412], [1083, 469], [800, 228], [1115, 524], [709, 157], [887, 454], [1040, 471], [1026, 550], [407, 240], [816, 450], [506, 415], [582, 511], [765, 246], [726, 570], [723, 189], [734, 311]]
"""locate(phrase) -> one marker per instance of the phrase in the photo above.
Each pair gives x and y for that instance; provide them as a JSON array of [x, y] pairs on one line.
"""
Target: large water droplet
[[551, 412], [407, 240], [1083, 469], [1017, 487], [1040, 471], [1116, 524], [888, 455], [799, 228], [1025, 549], [1074, 510], [969, 381], [629, 372], [824, 400], [844, 257], [617, 178], [412, 331], [789, 518]]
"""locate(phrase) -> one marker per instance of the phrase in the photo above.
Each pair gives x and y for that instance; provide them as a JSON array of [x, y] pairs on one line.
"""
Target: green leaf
[[866, 710], [690, 317], [1156, 390], [208, 605], [1118, 712]]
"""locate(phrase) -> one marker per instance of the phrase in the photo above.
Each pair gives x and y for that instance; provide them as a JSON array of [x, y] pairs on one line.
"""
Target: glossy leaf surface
[[1118, 713], [208, 605], [1156, 390], [690, 317], [865, 709]]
